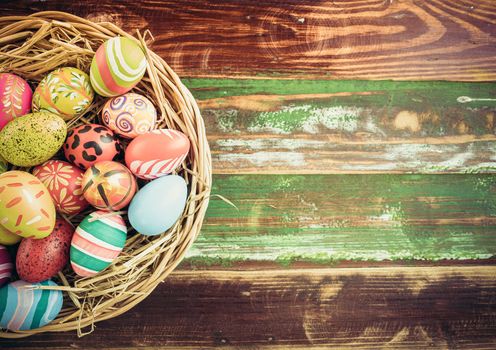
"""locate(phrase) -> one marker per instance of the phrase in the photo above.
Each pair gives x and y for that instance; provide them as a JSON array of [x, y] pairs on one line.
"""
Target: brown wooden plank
[[406, 40], [397, 308]]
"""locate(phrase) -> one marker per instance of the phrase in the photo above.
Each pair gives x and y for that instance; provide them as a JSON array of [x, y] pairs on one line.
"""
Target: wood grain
[[390, 308], [317, 126], [403, 40], [331, 219]]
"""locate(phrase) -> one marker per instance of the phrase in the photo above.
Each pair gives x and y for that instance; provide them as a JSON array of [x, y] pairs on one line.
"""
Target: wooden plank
[[318, 126], [397, 308], [330, 219], [404, 40]]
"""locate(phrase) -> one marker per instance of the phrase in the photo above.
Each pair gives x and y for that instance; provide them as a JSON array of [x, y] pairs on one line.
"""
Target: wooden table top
[[356, 142]]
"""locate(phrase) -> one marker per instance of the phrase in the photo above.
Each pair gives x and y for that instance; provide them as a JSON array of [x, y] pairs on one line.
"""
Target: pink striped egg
[[98, 240], [6, 266], [15, 98], [157, 153]]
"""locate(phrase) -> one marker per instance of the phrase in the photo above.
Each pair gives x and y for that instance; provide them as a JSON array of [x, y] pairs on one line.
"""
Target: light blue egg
[[158, 205]]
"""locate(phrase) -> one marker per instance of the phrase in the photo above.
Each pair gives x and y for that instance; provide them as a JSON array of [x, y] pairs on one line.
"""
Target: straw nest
[[32, 46]]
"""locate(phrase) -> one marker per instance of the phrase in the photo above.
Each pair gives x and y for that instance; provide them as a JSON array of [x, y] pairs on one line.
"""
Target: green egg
[[32, 139]]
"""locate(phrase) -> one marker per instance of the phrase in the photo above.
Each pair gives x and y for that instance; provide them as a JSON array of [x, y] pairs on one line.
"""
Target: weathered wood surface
[[317, 126], [336, 39], [328, 219], [391, 308]]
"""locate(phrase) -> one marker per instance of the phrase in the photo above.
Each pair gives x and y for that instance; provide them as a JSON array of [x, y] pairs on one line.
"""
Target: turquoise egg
[[23, 308], [158, 205]]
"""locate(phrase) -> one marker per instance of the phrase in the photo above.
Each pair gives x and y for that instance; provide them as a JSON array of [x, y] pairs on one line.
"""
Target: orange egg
[[108, 185], [26, 208]]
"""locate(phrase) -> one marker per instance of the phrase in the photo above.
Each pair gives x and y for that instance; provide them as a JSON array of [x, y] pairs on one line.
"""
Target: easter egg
[[63, 181], [156, 153], [91, 143], [129, 115], [7, 237], [98, 240], [4, 165], [40, 259], [23, 307], [108, 185], [6, 266], [26, 208], [158, 205], [118, 65], [66, 92], [32, 139], [15, 97]]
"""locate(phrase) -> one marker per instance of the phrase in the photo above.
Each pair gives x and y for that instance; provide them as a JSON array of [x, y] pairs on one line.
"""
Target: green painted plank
[[332, 218], [322, 126]]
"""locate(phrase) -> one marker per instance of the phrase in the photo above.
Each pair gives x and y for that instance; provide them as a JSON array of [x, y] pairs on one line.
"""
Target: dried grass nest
[[32, 46]]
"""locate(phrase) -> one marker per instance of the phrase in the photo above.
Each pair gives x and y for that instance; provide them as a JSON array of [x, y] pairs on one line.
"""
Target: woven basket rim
[[33, 45]]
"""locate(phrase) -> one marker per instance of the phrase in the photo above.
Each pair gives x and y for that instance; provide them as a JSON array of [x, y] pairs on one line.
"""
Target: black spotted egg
[[91, 143]]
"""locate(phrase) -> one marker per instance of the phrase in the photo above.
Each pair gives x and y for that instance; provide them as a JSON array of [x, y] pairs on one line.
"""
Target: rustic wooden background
[[357, 141]]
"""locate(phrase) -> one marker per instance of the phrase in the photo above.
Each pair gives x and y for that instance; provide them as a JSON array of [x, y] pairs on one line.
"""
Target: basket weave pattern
[[32, 46]]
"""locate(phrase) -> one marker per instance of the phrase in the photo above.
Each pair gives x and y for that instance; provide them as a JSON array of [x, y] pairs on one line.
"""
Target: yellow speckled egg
[[129, 115], [26, 208], [65, 91]]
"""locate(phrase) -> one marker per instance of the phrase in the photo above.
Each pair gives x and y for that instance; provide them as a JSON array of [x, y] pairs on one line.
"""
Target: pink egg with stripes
[[157, 153], [6, 266]]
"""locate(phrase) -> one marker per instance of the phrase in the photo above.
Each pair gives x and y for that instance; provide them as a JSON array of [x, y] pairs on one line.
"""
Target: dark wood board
[[393, 308], [336, 39]]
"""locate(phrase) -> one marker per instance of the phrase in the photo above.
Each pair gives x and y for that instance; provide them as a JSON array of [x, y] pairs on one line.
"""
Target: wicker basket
[[32, 46]]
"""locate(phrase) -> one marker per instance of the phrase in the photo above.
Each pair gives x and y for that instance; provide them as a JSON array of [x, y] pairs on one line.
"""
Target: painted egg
[[118, 65], [40, 259], [15, 98], [91, 143], [32, 139], [4, 165], [6, 266], [63, 181], [98, 240], [66, 92], [157, 153], [108, 185], [23, 307], [129, 115], [158, 205], [26, 208], [7, 237]]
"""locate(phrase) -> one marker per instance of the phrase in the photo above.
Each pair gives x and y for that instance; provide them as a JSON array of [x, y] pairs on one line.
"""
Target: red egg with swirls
[[108, 185], [91, 143], [63, 181]]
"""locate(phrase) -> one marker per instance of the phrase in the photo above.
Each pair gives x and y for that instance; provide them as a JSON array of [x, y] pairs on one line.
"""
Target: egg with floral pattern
[[88, 144], [15, 97], [63, 181], [129, 115], [66, 92], [108, 185]]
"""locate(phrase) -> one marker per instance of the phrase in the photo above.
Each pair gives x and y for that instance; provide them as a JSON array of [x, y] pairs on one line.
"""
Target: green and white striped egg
[[118, 65], [23, 307], [98, 240]]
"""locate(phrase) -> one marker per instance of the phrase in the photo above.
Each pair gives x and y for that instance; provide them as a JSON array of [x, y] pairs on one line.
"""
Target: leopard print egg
[[91, 143]]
